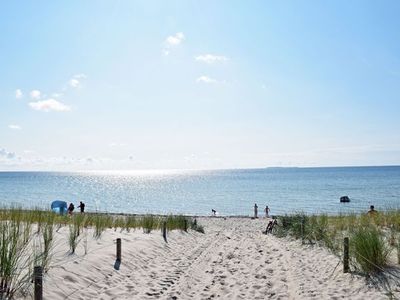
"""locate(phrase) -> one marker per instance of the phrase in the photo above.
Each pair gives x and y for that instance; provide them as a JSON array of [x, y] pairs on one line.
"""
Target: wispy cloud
[[176, 39], [14, 127], [6, 155], [117, 145], [206, 79], [35, 94], [211, 58], [172, 41], [76, 80], [49, 105], [73, 83], [18, 94]]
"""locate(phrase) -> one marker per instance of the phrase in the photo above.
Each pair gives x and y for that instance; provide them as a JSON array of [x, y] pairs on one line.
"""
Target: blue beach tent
[[59, 207]]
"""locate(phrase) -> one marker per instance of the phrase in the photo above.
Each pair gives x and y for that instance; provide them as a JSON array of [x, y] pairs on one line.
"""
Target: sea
[[229, 192]]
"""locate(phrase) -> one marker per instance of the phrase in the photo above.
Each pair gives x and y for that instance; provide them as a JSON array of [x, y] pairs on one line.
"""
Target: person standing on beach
[[71, 208], [82, 207], [267, 211], [255, 210]]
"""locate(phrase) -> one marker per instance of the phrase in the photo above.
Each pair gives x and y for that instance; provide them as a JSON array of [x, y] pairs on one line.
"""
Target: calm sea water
[[230, 192]]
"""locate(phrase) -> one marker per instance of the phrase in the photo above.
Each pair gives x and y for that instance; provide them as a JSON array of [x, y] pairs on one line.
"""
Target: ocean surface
[[230, 192]]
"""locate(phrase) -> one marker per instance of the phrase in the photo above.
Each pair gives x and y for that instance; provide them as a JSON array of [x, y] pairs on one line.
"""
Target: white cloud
[[18, 94], [176, 39], [14, 127], [49, 105], [210, 58], [206, 79], [74, 83], [80, 76], [35, 94], [76, 80], [172, 41]]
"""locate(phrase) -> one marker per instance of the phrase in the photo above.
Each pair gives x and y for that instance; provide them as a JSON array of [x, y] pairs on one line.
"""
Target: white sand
[[233, 260]]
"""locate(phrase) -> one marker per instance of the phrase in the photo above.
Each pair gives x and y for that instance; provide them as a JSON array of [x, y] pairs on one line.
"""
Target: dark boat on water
[[344, 199]]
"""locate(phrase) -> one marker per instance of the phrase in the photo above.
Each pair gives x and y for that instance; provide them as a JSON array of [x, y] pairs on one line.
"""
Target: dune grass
[[372, 238], [15, 260], [369, 248], [27, 239]]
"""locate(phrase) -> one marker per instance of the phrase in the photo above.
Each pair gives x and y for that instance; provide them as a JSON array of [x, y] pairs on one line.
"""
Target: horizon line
[[200, 169]]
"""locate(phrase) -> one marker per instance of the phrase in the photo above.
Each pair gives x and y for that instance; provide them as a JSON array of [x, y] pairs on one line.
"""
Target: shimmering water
[[230, 192]]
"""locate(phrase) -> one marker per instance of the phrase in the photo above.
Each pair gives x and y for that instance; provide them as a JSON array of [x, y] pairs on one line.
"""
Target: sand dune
[[233, 260]]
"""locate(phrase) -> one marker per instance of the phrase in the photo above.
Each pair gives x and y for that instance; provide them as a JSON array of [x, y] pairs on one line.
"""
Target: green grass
[[149, 223], [73, 237], [369, 249], [21, 229], [100, 223], [48, 240], [13, 257], [372, 237]]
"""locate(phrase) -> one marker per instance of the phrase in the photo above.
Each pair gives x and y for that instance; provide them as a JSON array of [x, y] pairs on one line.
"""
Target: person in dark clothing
[[71, 208], [82, 207], [372, 211], [270, 226]]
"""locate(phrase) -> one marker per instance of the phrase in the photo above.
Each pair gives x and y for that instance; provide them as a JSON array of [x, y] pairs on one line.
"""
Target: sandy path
[[239, 262], [233, 260]]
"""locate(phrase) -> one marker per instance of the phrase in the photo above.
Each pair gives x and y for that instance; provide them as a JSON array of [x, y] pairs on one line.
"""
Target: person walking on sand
[[267, 211], [255, 210], [71, 208], [82, 207]]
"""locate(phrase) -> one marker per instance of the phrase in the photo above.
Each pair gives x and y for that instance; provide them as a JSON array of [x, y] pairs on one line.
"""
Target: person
[[71, 208], [214, 212], [255, 210], [267, 211], [372, 211], [270, 226], [82, 207]]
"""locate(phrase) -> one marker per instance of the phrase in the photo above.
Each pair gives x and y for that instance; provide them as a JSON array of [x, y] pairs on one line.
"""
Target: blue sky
[[198, 84]]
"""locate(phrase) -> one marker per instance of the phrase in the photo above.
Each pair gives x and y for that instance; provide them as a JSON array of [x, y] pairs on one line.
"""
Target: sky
[[132, 85]]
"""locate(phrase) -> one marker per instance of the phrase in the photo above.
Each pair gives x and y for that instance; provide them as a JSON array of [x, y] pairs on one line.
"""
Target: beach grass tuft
[[148, 223], [372, 237], [369, 249]]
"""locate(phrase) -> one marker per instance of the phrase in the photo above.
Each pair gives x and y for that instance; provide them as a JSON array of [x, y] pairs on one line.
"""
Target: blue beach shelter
[[59, 207]]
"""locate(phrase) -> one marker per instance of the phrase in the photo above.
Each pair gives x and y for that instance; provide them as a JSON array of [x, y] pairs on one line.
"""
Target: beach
[[233, 259]]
